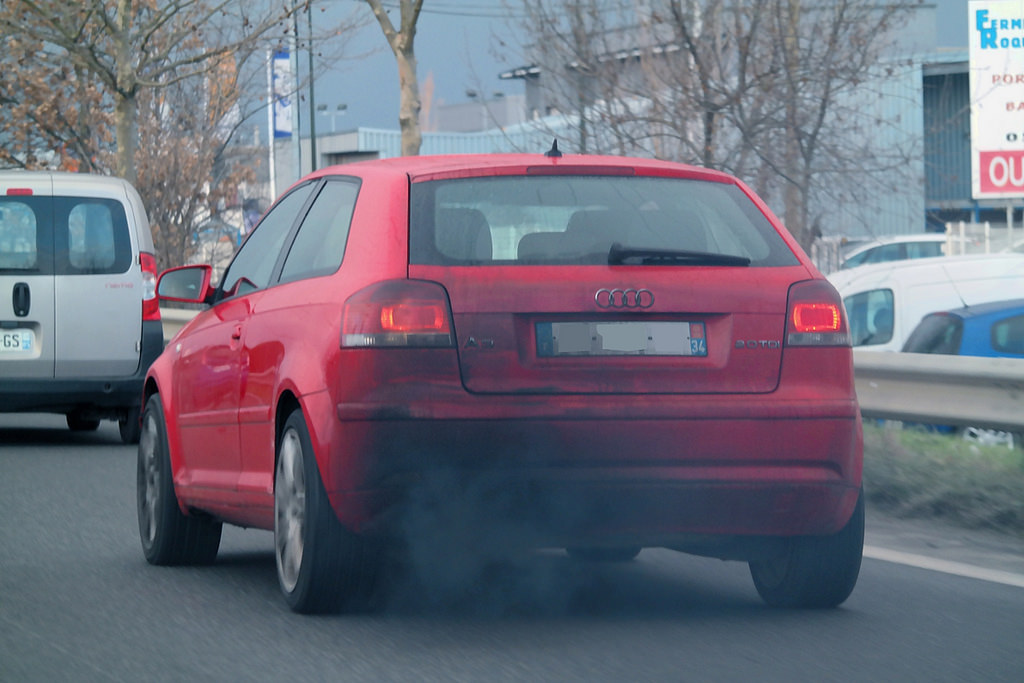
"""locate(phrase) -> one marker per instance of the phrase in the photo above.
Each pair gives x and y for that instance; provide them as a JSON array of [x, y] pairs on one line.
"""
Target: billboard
[[996, 40]]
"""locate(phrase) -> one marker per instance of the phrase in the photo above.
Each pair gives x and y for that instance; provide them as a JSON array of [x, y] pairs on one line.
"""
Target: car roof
[[942, 267], [859, 247], [989, 308], [421, 167]]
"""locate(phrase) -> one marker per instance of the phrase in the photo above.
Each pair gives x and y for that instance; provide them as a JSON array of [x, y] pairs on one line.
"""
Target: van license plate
[[17, 341]]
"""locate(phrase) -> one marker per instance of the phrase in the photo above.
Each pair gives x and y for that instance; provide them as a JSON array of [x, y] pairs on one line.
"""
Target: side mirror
[[187, 284]]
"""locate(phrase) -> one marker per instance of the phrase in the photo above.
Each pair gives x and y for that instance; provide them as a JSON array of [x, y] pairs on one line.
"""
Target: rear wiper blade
[[653, 257]]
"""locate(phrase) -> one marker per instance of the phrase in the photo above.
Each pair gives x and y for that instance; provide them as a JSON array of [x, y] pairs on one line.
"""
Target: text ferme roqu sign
[[996, 33]]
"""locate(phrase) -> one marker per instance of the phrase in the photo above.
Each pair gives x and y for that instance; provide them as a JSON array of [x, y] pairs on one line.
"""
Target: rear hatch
[[609, 284], [26, 276]]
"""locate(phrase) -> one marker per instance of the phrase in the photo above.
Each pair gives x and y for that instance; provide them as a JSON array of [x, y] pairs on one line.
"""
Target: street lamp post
[[339, 111]]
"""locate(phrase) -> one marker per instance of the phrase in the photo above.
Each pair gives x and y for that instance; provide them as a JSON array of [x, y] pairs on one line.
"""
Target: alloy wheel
[[289, 510]]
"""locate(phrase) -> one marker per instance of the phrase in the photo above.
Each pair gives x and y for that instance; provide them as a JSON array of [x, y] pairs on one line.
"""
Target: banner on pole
[[283, 87]]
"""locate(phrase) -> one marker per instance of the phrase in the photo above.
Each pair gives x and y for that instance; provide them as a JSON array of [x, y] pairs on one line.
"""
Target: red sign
[[1002, 172]]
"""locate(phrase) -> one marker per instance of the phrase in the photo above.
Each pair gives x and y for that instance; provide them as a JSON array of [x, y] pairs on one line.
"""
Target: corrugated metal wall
[[947, 131]]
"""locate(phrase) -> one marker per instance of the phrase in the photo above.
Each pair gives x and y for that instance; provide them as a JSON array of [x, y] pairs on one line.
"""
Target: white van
[[79, 318], [885, 302]]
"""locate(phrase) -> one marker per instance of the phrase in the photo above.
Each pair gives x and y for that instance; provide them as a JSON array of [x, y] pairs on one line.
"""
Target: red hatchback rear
[[594, 353]]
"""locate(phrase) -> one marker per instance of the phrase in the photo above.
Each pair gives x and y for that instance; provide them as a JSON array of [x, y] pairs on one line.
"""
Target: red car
[[600, 354]]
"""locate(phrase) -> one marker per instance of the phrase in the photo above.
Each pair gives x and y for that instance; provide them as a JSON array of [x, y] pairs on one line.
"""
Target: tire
[[168, 536], [814, 571], [624, 554], [130, 426], [321, 566], [78, 423]]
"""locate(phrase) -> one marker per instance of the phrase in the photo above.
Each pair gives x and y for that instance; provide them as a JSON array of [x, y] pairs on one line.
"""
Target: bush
[[913, 473]]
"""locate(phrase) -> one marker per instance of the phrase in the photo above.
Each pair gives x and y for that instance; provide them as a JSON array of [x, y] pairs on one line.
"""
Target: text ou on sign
[[1002, 171]]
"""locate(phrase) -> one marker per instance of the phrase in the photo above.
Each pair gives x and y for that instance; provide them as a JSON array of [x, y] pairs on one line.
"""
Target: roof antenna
[[553, 152]]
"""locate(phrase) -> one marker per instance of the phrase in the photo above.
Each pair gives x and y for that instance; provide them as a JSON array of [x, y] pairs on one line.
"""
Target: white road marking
[[944, 566]]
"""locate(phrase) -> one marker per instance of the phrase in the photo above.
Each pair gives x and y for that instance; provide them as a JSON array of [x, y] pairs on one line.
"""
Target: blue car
[[992, 329]]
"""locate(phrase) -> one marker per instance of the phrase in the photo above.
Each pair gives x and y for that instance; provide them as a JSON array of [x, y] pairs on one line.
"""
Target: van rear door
[[26, 278], [98, 290]]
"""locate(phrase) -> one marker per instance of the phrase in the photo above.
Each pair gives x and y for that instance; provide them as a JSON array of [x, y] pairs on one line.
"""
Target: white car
[[886, 301], [901, 248]]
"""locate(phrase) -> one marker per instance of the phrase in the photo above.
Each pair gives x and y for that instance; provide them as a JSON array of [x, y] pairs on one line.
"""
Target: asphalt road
[[78, 602]]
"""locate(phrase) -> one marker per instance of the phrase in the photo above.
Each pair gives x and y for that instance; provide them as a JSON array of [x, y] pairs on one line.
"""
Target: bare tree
[[778, 92], [402, 40], [188, 106], [131, 46]]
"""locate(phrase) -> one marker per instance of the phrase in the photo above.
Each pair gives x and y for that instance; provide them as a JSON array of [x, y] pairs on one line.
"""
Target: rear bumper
[[641, 470], [98, 396]]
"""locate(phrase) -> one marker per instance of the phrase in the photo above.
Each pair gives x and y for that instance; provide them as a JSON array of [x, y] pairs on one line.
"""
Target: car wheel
[[130, 426], [624, 554], [814, 571], [168, 536], [321, 566], [78, 423]]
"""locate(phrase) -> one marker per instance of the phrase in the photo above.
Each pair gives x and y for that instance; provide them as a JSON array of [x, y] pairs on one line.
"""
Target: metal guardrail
[[912, 387], [963, 391]]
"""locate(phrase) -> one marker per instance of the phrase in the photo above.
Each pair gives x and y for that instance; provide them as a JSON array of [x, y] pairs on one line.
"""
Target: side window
[[884, 253], [92, 236], [924, 249], [1008, 335], [871, 317], [19, 237], [319, 246], [253, 265]]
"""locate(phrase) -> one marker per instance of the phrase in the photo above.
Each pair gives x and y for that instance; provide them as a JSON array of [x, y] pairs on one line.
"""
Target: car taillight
[[816, 316], [150, 303], [398, 313]]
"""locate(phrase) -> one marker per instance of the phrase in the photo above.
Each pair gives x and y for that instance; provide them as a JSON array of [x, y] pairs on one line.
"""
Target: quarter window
[[319, 245]]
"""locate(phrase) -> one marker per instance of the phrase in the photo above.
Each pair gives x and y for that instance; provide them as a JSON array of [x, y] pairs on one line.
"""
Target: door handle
[[236, 333], [21, 299]]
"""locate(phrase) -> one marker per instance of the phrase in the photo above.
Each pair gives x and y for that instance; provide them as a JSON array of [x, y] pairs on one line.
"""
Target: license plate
[[17, 341], [628, 338]]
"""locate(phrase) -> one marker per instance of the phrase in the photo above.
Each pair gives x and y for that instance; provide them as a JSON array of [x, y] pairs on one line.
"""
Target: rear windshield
[[575, 220], [936, 333]]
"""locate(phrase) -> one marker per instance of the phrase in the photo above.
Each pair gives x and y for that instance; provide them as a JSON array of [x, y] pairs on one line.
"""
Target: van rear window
[[19, 237], [64, 236]]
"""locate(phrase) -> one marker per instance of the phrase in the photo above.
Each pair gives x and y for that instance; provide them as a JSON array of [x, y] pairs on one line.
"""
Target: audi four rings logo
[[624, 298]]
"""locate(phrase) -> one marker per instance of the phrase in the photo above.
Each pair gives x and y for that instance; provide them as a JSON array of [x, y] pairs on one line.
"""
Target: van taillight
[[398, 313], [816, 316], [19, 191], [150, 303]]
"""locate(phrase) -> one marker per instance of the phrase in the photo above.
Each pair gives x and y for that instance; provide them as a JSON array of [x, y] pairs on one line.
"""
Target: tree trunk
[[409, 111], [125, 106], [127, 131]]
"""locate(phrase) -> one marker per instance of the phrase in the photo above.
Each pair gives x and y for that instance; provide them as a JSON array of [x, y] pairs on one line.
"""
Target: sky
[[463, 45]]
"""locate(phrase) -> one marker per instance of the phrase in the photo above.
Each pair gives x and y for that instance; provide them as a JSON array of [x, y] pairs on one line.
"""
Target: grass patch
[[911, 473]]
